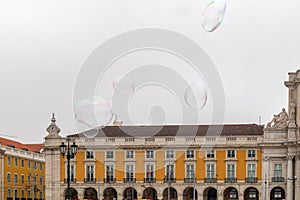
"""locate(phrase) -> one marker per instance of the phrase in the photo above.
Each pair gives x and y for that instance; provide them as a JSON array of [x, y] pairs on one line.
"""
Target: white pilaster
[[289, 195]]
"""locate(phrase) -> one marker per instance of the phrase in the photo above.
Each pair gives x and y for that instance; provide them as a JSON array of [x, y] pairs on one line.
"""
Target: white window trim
[[215, 155], [193, 169], [230, 150], [166, 153], [206, 169], [234, 169], [90, 158], [171, 163], [114, 168], [153, 154], [125, 168], [251, 157], [133, 155], [194, 157], [106, 155], [251, 163], [85, 170], [71, 164], [154, 170]]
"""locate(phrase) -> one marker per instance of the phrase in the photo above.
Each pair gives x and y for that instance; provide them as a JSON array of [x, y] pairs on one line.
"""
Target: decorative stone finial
[[53, 130], [53, 118], [116, 122]]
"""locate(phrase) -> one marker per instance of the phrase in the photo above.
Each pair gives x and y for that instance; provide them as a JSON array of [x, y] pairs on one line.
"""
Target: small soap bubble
[[123, 85], [92, 113], [213, 15], [196, 96]]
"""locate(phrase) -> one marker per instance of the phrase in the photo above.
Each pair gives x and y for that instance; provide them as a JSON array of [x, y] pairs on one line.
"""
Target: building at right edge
[[281, 150]]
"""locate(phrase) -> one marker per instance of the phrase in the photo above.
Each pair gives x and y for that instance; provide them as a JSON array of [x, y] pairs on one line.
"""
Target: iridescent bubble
[[92, 113], [196, 96], [213, 15], [123, 85]]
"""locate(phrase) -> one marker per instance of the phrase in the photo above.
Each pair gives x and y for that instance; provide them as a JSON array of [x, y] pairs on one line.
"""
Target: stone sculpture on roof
[[279, 121]]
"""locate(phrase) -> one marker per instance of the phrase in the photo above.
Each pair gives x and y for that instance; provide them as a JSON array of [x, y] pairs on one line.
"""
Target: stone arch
[[73, 193], [188, 194], [90, 193], [129, 193], [110, 193], [251, 193], [210, 193], [150, 193], [173, 194], [231, 193], [277, 193]]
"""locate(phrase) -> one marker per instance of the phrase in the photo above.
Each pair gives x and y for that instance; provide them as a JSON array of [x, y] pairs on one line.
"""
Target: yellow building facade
[[22, 171]]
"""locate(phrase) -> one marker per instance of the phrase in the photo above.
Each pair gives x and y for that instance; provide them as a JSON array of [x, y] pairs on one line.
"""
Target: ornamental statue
[[279, 121]]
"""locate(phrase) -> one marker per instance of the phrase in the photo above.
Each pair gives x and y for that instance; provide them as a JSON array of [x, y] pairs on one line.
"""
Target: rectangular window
[[22, 194], [190, 173], [210, 171], [28, 178], [41, 166], [89, 154], [34, 165], [230, 153], [129, 172], [129, 154], [8, 177], [8, 192], [22, 179], [278, 170], [28, 194], [251, 153], [210, 154], [16, 162], [34, 179], [22, 163], [8, 160], [149, 171], [41, 180], [170, 172], [109, 154], [189, 153], [149, 154], [28, 164], [230, 170], [251, 171], [41, 195], [16, 193], [109, 172], [170, 154], [90, 172]]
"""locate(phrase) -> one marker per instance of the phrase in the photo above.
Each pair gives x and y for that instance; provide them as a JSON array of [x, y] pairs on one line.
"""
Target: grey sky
[[43, 45]]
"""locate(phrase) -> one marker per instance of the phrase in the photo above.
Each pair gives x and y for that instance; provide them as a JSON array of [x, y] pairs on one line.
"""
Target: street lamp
[[70, 151]]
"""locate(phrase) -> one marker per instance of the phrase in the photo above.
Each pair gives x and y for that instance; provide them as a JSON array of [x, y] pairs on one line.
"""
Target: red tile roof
[[19, 145], [176, 130]]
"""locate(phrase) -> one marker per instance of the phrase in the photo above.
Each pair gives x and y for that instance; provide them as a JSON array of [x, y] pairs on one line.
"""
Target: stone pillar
[[289, 192], [297, 182], [265, 177]]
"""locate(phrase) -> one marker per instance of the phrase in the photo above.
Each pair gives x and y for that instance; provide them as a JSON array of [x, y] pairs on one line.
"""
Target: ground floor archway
[[251, 193], [150, 193], [188, 194], [173, 194], [210, 194], [129, 193], [73, 193], [230, 193], [110, 194], [90, 193], [277, 193]]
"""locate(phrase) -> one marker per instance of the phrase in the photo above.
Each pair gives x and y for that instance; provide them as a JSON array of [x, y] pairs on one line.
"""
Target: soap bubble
[[92, 113], [196, 96], [123, 85], [213, 15]]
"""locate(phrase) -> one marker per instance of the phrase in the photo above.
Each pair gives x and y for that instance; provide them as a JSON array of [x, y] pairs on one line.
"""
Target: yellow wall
[[200, 156]]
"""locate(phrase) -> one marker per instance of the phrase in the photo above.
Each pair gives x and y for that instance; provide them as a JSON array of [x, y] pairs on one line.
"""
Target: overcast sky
[[43, 45]]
